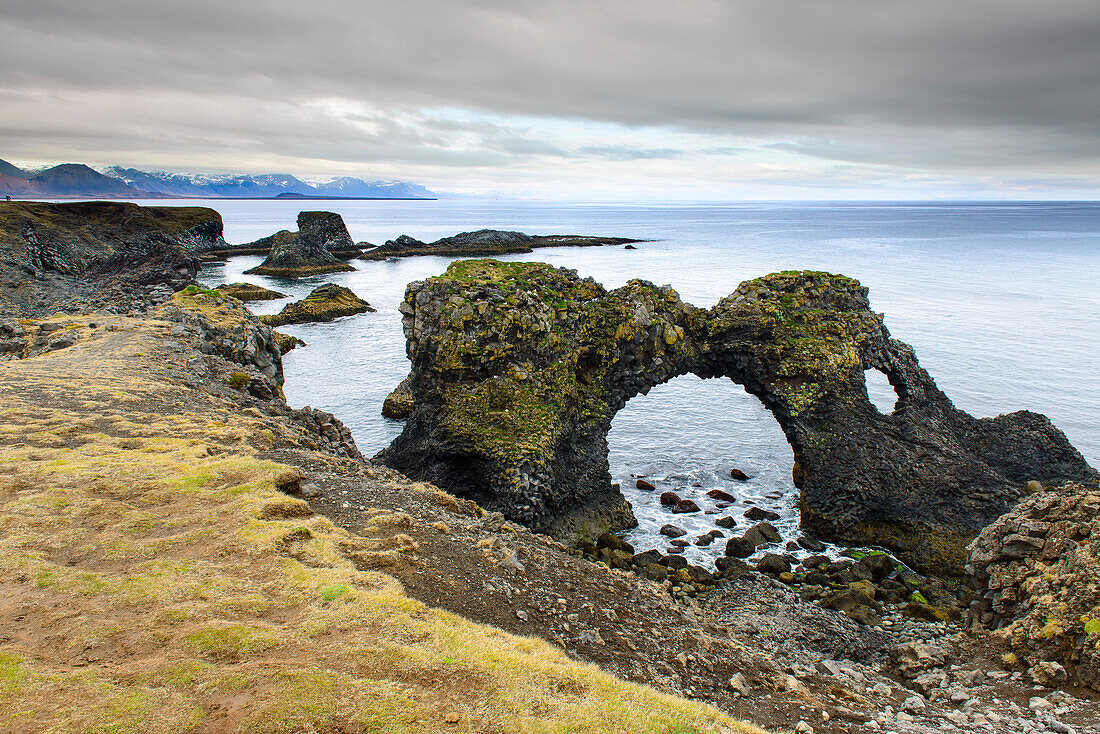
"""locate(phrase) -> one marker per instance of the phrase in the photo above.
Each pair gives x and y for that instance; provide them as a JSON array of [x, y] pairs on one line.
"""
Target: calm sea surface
[[1000, 302]]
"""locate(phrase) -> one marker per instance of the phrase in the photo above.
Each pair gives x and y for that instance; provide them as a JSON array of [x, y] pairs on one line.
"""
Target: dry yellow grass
[[152, 579]]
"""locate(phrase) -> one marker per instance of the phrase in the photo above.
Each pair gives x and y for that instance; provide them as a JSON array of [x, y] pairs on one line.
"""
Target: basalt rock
[[324, 303], [250, 292], [1037, 574], [398, 404], [307, 251], [482, 243], [79, 238], [519, 368]]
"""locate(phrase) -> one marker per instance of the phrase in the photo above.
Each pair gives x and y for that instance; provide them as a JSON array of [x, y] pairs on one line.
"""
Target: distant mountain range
[[79, 181]]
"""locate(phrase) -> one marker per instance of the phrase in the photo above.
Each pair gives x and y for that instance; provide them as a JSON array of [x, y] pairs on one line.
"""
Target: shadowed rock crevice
[[518, 370]]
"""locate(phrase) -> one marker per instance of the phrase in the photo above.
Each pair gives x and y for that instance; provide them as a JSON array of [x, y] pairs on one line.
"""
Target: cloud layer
[[707, 97]]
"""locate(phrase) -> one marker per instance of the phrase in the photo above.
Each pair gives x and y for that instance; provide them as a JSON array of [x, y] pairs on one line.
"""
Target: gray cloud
[[941, 85]]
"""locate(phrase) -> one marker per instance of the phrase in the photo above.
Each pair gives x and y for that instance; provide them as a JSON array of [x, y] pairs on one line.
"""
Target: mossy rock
[[324, 303]]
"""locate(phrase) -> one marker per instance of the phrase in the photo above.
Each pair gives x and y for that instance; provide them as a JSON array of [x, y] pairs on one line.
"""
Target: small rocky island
[[325, 303], [484, 243], [309, 251]]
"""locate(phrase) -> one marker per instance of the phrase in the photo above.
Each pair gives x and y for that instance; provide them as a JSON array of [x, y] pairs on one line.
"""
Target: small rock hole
[[880, 392]]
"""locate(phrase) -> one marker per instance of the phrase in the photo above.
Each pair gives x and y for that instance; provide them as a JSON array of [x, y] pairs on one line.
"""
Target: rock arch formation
[[518, 369]]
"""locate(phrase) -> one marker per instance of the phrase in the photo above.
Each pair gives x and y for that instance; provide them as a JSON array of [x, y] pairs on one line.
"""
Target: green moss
[[12, 674], [333, 591], [232, 640]]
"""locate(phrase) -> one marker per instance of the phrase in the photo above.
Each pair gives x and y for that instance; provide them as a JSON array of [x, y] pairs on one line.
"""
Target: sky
[[618, 100]]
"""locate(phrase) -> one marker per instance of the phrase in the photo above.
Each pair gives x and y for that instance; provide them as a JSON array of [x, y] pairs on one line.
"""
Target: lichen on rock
[[307, 251], [519, 368], [324, 303], [1037, 573]]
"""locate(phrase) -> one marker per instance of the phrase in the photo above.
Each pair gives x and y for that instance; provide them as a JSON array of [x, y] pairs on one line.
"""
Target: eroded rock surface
[[482, 243], [250, 292], [518, 369], [1037, 572], [307, 251], [324, 303]]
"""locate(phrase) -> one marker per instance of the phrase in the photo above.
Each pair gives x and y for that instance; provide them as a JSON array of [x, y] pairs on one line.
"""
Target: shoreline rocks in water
[[518, 369], [307, 251], [250, 292], [484, 242], [324, 303]]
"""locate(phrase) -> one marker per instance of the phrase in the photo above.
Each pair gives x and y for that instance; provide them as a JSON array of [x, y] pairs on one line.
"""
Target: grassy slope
[[153, 579]]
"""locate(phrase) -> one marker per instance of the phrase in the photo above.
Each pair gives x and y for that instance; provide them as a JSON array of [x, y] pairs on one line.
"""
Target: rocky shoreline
[[757, 643]]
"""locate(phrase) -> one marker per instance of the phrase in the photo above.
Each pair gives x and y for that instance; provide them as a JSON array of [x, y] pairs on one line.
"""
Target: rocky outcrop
[[324, 303], [518, 369], [1037, 574], [307, 251], [483, 243], [250, 292], [83, 238], [228, 329], [399, 403]]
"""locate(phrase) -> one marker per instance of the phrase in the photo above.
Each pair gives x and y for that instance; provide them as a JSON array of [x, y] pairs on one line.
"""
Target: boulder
[[774, 564], [739, 475], [670, 499], [324, 303], [519, 368], [717, 494], [1037, 575], [307, 251], [755, 537], [643, 484], [757, 513], [685, 506], [672, 531]]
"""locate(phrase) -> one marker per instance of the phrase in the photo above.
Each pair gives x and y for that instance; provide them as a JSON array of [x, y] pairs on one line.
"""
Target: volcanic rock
[[250, 292], [717, 494], [324, 303], [643, 484], [672, 531], [519, 368], [669, 499], [1037, 572], [757, 513], [685, 506], [307, 251], [482, 243]]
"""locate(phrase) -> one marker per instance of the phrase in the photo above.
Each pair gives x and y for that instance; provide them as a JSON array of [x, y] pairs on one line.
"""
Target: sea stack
[[307, 251]]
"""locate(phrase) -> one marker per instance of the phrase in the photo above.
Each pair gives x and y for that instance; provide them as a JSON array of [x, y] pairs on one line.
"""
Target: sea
[[999, 300]]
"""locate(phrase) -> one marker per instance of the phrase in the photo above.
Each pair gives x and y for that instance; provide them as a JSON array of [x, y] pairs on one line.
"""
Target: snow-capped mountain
[[261, 186]]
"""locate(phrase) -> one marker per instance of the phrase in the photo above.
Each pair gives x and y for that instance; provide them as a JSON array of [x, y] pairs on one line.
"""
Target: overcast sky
[[617, 99]]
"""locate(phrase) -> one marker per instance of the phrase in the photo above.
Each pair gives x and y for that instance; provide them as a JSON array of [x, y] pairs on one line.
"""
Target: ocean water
[[999, 300]]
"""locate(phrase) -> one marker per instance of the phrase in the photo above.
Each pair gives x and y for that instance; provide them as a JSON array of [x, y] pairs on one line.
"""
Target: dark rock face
[[83, 237], [307, 251], [1037, 574], [482, 243], [324, 303], [518, 369], [115, 256]]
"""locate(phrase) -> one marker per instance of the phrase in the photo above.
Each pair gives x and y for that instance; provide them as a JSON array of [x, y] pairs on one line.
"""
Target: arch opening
[[685, 437], [880, 392]]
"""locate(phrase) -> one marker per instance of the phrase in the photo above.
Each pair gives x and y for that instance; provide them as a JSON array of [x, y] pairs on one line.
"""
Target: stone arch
[[685, 436], [518, 369]]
